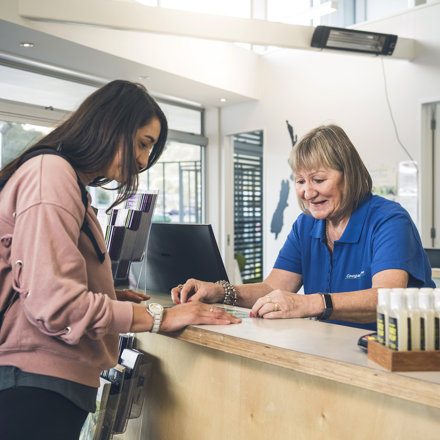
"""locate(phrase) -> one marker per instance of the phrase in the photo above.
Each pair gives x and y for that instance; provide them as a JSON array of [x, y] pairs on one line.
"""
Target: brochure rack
[[127, 232], [104, 424], [99, 425], [132, 398]]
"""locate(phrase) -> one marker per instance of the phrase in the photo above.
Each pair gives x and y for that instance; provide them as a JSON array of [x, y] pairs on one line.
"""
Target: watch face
[[156, 308]]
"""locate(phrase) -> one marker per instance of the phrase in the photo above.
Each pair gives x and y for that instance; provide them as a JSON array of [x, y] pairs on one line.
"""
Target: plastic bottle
[[398, 321], [437, 318], [413, 319], [426, 307], [383, 299]]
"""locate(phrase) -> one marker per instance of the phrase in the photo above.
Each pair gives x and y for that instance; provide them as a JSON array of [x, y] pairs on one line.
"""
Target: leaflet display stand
[[111, 422], [128, 230], [99, 425], [126, 237], [134, 395]]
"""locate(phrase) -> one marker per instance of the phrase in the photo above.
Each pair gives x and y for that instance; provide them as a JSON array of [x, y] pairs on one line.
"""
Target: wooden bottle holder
[[403, 360]]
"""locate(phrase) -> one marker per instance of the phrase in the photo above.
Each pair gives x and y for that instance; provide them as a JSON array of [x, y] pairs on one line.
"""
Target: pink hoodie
[[67, 319]]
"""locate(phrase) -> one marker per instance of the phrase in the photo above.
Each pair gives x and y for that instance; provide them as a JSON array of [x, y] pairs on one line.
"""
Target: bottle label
[[409, 335], [381, 328], [422, 334], [394, 337], [437, 333]]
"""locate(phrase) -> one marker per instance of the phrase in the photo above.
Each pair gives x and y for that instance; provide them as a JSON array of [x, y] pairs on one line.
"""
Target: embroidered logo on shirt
[[355, 277]]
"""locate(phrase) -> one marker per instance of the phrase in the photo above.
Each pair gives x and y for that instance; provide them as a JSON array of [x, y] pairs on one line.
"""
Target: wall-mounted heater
[[326, 37]]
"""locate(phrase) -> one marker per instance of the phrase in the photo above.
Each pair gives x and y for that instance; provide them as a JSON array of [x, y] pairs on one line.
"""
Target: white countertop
[[316, 348], [330, 341]]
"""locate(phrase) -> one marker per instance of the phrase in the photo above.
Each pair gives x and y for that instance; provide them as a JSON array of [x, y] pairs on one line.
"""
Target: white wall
[[379, 8], [311, 88]]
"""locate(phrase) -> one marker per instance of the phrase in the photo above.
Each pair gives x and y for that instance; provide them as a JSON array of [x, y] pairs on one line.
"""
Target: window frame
[[23, 113]]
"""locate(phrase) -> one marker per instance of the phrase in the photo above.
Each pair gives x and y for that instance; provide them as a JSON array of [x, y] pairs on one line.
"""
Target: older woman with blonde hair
[[346, 244]]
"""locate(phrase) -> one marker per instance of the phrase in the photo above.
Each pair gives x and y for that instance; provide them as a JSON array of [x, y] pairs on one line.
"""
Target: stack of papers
[[141, 201]]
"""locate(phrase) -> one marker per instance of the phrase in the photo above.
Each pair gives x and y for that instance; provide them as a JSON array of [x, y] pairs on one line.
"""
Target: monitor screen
[[177, 252], [433, 257]]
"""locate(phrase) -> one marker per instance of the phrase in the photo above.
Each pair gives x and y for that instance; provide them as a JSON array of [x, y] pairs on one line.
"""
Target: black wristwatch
[[328, 310]]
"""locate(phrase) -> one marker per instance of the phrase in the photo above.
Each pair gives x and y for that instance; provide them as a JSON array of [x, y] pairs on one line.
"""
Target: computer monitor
[[177, 252], [433, 256]]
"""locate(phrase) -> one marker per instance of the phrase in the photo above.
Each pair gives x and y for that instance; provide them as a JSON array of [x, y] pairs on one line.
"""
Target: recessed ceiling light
[[144, 77], [27, 44], [223, 99]]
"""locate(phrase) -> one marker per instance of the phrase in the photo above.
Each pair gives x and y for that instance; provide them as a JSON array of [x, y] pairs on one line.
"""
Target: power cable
[[392, 117]]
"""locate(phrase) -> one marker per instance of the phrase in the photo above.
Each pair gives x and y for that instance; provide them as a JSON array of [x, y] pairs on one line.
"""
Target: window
[[16, 137], [178, 177], [182, 118], [30, 105], [41, 90], [303, 12], [285, 10], [235, 8]]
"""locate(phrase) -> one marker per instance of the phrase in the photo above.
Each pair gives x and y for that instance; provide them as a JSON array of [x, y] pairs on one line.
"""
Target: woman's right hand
[[194, 313], [198, 291]]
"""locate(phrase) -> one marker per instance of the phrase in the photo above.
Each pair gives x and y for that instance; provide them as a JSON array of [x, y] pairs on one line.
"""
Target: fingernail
[[251, 314], [189, 300], [177, 302]]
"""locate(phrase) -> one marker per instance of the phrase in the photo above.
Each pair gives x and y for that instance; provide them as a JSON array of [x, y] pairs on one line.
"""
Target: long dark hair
[[91, 136]]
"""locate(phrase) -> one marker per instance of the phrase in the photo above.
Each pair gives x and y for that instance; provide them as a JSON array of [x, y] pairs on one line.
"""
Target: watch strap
[[328, 306], [157, 320]]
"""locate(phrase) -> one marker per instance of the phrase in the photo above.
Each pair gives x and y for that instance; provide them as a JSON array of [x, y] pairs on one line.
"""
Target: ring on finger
[[268, 299], [180, 286], [211, 309], [276, 307]]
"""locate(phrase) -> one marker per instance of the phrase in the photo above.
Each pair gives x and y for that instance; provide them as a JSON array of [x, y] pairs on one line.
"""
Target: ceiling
[[92, 67]]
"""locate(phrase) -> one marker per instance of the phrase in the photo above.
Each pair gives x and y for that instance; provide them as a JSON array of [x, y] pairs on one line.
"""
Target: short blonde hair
[[328, 146]]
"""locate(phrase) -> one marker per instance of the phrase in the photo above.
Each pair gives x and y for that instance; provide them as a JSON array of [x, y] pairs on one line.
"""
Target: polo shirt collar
[[354, 227], [318, 230]]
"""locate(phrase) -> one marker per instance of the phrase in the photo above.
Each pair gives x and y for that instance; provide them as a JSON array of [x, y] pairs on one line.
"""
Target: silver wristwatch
[[156, 311]]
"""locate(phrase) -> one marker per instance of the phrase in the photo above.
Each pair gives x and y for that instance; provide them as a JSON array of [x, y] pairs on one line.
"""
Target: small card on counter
[[238, 312]]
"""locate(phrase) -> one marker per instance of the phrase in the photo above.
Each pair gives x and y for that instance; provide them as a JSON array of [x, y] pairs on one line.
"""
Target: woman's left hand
[[282, 304], [131, 295]]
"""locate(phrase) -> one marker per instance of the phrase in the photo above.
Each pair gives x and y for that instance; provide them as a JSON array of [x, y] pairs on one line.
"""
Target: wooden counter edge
[[383, 382]]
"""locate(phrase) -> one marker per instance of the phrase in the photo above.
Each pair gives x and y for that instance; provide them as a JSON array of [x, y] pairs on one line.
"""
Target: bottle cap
[[398, 289], [425, 299], [383, 296], [397, 299], [437, 299], [411, 298]]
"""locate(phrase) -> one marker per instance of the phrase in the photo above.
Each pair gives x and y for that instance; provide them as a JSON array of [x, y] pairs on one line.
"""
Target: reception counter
[[279, 379]]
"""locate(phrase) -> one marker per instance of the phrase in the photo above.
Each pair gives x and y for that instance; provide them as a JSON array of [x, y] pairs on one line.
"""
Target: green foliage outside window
[[15, 138]]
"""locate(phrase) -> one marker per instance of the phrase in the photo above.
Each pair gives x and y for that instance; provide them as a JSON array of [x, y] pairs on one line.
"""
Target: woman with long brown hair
[[60, 313]]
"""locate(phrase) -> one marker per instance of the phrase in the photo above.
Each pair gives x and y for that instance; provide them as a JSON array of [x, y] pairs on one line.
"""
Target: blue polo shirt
[[380, 235]]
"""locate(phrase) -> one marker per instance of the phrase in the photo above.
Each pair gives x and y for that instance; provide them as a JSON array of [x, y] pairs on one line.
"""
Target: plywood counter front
[[279, 379], [435, 272]]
